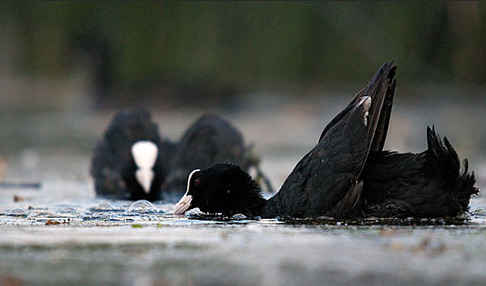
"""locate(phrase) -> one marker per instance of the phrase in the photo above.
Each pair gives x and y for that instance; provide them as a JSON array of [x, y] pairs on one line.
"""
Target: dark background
[[278, 70], [215, 51]]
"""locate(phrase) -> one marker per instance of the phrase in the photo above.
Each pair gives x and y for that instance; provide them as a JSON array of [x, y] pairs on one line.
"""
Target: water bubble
[[142, 206], [239, 216]]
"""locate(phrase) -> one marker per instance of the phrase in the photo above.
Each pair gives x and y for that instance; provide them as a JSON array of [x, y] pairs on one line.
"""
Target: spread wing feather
[[326, 181]]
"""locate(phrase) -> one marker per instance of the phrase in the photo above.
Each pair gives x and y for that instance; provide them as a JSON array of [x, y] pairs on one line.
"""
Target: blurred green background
[[278, 71], [55, 54], [67, 66]]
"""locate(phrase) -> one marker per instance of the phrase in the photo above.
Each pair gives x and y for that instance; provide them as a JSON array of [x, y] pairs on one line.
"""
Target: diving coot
[[347, 174], [131, 160]]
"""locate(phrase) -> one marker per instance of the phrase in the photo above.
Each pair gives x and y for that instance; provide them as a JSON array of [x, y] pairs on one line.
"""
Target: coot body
[[209, 140]]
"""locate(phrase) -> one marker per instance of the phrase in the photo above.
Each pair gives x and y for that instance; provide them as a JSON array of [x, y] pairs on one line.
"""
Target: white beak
[[185, 202], [183, 205]]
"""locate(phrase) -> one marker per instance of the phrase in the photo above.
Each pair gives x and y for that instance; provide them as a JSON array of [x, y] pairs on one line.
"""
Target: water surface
[[62, 234]]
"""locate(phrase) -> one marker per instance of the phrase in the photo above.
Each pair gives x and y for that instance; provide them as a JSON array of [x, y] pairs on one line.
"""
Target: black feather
[[427, 184], [208, 141]]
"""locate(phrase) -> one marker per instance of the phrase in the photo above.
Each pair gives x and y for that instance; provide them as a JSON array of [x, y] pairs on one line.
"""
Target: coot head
[[222, 188], [130, 161]]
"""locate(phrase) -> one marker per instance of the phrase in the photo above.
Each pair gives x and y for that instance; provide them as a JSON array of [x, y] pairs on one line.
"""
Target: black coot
[[209, 140], [131, 159], [347, 174]]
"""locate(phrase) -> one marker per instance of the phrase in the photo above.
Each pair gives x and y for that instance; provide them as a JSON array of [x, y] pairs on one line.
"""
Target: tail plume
[[446, 164]]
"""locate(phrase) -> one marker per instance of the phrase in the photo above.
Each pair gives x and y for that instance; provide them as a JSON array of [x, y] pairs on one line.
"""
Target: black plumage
[[347, 174], [113, 167], [224, 188], [209, 140], [327, 181], [427, 184]]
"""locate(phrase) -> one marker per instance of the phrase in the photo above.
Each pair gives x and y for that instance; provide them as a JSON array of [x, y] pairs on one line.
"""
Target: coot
[[131, 159], [347, 174], [209, 140]]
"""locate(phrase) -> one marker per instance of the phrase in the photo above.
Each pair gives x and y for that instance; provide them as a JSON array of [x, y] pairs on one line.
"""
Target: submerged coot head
[[222, 188]]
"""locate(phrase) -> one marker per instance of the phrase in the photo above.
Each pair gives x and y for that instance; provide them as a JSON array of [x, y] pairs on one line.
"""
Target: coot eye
[[197, 182]]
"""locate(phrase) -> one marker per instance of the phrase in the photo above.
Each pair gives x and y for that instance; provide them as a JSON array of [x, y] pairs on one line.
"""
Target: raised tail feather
[[445, 162]]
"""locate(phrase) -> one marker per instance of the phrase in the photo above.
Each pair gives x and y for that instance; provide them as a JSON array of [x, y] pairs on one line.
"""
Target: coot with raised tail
[[347, 174]]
